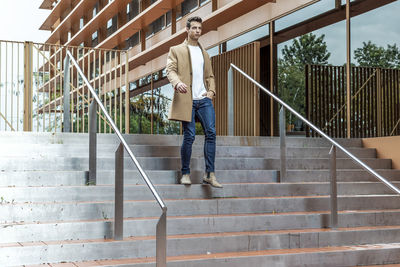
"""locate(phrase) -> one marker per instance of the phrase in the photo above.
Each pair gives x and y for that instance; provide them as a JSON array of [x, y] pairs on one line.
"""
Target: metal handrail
[[161, 226], [333, 142]]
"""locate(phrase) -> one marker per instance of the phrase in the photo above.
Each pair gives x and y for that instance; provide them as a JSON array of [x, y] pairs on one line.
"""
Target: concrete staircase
[[49, 217]]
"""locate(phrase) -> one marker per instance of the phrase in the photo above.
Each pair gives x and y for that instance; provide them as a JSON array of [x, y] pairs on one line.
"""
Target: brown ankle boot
[[211, 180], [186, 179]]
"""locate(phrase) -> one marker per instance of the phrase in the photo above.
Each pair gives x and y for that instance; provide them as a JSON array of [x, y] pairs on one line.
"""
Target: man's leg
[[189, 132], [206, 115]]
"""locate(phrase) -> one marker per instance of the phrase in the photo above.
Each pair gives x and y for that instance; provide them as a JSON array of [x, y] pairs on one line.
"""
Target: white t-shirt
[[198, 88]]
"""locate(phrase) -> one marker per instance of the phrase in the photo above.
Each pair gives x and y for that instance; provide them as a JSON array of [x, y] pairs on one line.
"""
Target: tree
[[307, 49], [371, 55]]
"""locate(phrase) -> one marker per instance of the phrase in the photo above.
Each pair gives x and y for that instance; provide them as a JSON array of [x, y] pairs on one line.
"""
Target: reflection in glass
[[162, 98]]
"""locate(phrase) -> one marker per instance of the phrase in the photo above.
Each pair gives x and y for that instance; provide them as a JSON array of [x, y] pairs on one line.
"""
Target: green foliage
[[291, 81], [140, 115], [307, 49], [371, 55]]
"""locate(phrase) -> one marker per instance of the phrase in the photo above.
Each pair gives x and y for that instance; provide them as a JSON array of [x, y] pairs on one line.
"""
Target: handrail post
[[231, 126], [161, 240], [161, 237], [318, 131], [119, 194], [92, 143], [333, 189], [67, 111], [282, 138], [28, 87]]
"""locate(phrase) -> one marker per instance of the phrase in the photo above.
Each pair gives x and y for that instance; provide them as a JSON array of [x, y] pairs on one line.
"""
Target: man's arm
[[172, 72], [212, 83], [211, 79], [172, 68]]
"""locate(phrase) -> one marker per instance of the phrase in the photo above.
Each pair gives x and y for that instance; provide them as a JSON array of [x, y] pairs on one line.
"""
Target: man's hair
[[189, 20]]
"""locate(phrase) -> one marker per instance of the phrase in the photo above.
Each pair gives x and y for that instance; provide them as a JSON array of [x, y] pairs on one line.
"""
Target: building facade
[[145, 29]]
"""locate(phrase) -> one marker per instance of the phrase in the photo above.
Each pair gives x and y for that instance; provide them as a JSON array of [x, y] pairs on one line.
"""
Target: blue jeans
[[204, 111]]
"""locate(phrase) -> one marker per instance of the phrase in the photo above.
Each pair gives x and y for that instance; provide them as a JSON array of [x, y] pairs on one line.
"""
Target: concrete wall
[[386, 147]]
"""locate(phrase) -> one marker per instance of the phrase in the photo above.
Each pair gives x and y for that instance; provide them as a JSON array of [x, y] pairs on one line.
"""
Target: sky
[[21, 20], [24, 18]]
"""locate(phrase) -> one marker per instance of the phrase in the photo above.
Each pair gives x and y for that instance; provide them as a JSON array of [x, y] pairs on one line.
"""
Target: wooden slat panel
[[337, 100], [307, 97], [326, 99], [397, 96], [246, 97], [344, 111], [363, 105]]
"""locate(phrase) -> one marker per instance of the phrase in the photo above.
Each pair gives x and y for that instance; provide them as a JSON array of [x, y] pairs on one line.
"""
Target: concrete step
[[180, 225], [381, 265], [195, 191], [171, 140], [179, 245], [108, 150], [69, 178], [11, 212], [349, 175], [174, 163], [254, 220], [329, 257]]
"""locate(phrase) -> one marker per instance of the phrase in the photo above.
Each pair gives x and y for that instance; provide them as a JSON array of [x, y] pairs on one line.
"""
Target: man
[[190, 73]]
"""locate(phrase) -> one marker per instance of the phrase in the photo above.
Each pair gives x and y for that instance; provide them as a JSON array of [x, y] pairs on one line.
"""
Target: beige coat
[[179, 69]]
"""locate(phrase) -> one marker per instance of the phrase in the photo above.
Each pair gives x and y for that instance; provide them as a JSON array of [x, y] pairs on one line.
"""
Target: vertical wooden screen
[[375, 101], [246, 95]]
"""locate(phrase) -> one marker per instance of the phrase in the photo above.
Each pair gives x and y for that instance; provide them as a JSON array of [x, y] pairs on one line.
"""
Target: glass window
[[109, 23], [95, 39], [132, 9], [95, 9], [140, 113], [161, 104], [248, 37], [188, 6], [168, 18], [81, 23], [149, 31], [203, 2], [304, 14], [132, 41], [213, 51], [178, 12], [159, 24], [132, 86], [112, 25], [156, 26]]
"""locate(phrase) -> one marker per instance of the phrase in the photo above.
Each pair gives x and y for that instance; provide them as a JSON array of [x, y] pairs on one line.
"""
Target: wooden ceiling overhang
[[47, 4], [145, 18], [216, 19], [139, 22], [75, 15], [55, 14], [101, 19]]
